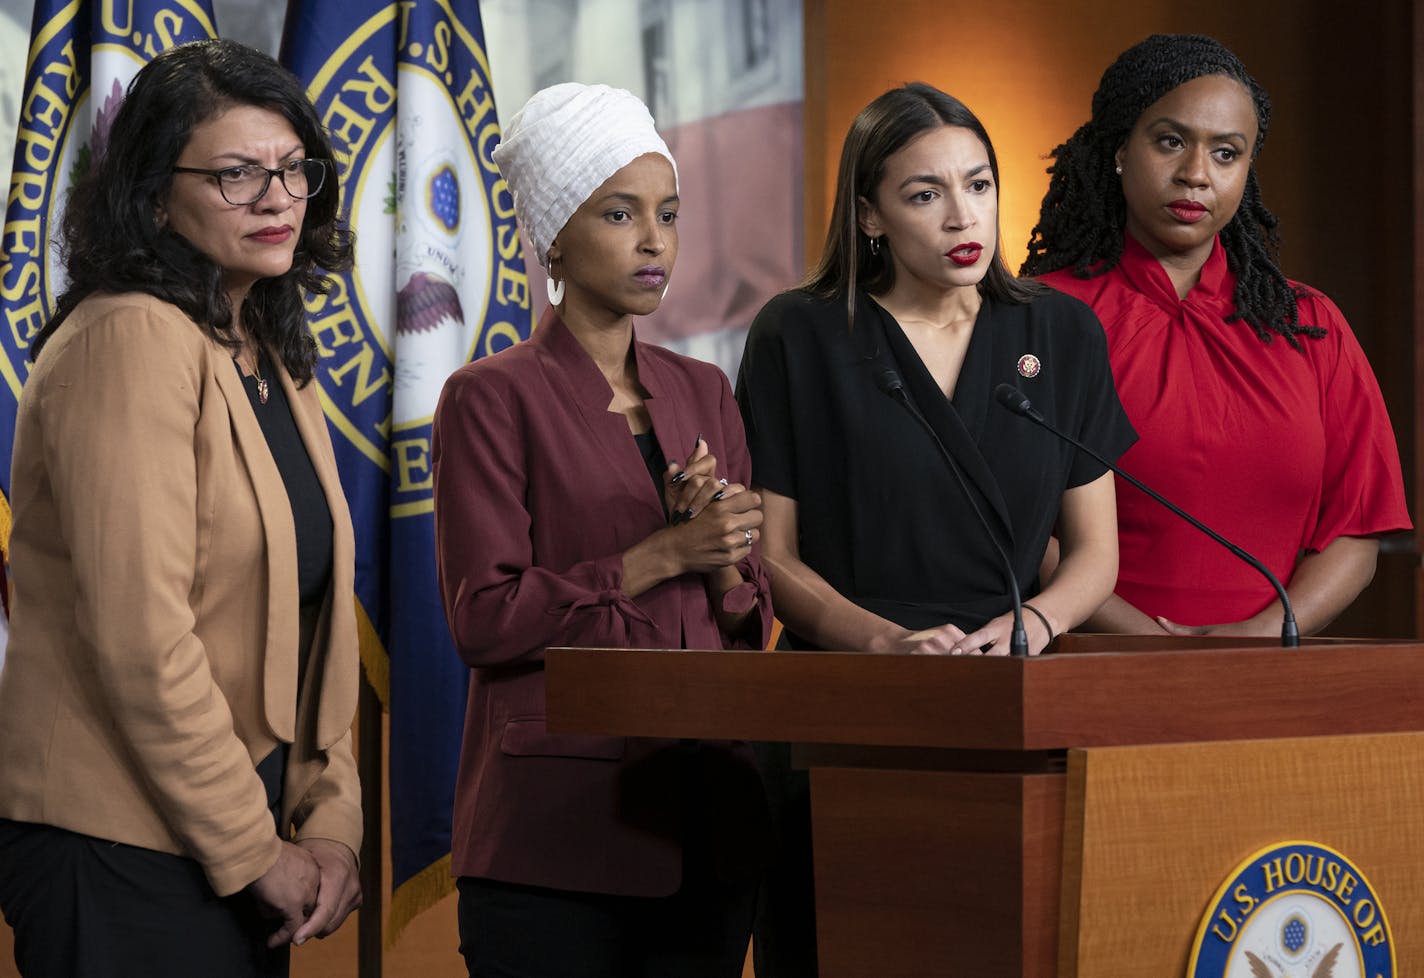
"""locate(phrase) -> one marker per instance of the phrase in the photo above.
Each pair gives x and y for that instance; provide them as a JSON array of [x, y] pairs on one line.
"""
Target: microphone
[[889, 382], [1014, 399]]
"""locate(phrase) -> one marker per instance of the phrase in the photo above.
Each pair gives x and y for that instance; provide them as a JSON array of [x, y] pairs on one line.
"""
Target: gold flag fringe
[[416, 895], [4, 528], [374, 658]]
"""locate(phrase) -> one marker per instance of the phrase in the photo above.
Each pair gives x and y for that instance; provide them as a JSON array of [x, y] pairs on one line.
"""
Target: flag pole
[[370, 753]]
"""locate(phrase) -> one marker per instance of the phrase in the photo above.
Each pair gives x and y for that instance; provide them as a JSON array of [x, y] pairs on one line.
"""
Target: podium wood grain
[[1160, 828], [1138, 694], [936, 873], [949, 837]]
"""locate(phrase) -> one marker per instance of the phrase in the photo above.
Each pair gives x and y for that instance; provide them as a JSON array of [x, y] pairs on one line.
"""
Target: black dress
[[879, 514]]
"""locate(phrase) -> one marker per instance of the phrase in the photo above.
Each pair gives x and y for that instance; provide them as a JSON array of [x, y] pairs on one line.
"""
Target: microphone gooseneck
[[1014, 399], [889, 382]]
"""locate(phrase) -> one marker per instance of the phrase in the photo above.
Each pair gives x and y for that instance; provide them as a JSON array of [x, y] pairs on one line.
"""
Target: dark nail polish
[[687, 514], [679, 477], [696, 440], [676, 517], [719, 494]]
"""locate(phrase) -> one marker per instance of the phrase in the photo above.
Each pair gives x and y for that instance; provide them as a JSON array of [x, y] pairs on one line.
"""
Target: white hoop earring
[[555, 290], [875, 246], [665, 288]]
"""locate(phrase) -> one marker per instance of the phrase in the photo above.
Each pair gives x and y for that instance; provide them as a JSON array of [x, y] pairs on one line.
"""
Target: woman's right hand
[[288, 891], [720, 534], [928, 641]]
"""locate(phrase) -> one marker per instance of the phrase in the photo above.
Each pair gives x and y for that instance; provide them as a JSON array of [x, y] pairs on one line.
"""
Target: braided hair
[[1081, 220]]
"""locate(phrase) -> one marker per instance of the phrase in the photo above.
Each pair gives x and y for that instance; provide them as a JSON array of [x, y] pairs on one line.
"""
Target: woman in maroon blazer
[[589, 490]]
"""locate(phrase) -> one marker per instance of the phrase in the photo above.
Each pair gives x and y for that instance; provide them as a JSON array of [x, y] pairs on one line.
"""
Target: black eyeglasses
[[246, 184]]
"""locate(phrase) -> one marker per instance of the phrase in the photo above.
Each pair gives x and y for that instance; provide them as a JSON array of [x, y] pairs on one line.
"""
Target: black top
[[879, 514], [653, 458], [310, 514], [312, 518]]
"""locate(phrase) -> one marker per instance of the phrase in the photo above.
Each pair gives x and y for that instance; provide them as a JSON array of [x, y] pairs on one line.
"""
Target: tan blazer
[[153, 648]]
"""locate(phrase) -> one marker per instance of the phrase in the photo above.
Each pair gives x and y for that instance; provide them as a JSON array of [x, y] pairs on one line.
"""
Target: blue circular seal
[[1295, 908]]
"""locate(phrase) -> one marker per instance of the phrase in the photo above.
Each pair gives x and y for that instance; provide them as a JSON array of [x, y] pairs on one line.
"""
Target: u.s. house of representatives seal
[[439, 278], [1294, 910]]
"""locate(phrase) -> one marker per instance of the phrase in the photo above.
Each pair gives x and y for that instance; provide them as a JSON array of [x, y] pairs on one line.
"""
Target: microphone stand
[[1016, 401], [889, 382]]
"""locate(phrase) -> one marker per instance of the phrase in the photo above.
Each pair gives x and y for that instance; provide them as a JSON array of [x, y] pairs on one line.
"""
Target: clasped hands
[[310, 889], [716, 522]]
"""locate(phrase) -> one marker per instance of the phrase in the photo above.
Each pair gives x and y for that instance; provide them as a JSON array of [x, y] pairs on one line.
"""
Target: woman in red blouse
[[1255, 406], [589, 491]]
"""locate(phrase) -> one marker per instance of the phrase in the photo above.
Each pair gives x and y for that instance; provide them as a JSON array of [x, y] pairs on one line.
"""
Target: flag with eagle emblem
[[404, 89]]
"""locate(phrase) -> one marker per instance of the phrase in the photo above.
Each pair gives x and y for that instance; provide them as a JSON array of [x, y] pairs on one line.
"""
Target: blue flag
[[81, 57], [404, 89]]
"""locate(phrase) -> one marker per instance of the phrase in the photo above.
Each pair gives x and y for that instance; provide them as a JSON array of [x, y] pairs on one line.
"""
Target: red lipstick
[[272, 235], [966, 254], [1187, 211]]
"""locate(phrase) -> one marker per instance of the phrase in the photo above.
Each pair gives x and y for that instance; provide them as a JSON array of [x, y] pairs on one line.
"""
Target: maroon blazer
[[538, 491]]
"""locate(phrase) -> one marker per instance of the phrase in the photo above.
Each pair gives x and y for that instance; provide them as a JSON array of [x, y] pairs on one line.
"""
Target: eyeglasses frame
[[279, 172]]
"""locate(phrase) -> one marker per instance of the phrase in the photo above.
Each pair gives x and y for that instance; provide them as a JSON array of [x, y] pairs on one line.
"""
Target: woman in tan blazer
[[177, 790]]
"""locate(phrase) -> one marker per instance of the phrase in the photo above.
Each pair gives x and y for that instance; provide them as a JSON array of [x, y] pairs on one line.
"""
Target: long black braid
[[1082, 218]]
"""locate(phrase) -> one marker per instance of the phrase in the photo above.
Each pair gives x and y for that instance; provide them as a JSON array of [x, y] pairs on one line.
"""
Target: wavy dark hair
[[114, 241], [1083, 214], [880, 131]]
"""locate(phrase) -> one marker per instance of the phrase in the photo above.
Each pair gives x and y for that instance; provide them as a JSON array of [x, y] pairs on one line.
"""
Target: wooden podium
[[1068, 815]]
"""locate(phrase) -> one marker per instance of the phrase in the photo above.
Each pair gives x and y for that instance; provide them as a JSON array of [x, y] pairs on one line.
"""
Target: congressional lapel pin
[[1029, 365]]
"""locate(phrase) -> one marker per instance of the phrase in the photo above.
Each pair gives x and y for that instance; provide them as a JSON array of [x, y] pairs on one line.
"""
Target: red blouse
[[1280, 450]]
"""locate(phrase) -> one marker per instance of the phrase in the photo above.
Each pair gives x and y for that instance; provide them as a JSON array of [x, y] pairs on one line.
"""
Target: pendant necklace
[[262, 388]]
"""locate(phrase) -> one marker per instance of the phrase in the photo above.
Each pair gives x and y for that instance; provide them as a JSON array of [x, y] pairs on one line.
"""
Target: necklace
[[262, 388]]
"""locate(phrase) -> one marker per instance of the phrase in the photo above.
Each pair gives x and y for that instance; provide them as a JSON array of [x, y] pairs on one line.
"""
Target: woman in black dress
[[871, 537]]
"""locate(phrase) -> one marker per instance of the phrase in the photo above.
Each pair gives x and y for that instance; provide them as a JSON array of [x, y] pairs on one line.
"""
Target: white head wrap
[[566, 141]]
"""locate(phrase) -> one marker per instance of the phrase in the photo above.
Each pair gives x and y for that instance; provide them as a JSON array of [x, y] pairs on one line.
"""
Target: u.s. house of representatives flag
[[404, 89], [82, 55]]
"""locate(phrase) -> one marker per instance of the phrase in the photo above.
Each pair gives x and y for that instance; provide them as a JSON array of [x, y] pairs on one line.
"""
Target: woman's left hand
[[688, 491], [340, 889], [1249, 628], [993, 639]]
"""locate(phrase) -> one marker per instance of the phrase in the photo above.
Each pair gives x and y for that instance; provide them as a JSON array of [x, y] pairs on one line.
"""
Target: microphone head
[[1014, 399], [888, 380]]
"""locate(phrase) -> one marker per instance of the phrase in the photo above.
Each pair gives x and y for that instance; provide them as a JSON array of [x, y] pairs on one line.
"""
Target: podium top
[[1182, 692]]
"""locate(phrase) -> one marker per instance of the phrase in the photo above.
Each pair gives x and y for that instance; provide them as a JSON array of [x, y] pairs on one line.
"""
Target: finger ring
[[749, 538], [721, 482]]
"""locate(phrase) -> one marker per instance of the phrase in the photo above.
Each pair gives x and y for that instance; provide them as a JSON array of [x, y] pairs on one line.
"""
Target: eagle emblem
[[1295, 909], [1325, 969]]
